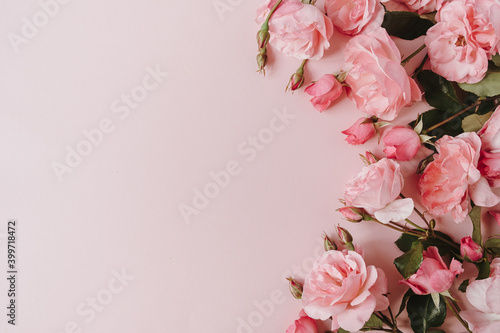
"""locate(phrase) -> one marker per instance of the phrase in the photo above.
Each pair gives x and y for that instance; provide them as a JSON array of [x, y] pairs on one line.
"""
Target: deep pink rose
[[401, 143], [360, 132], [470, 249], [376, 190], [433, 276], [341, 286], [304, 324], [453, 48], [353, 16], [377, 82], [325, 91], [298, 30], [422, 6], [453, 177], [484, 295]]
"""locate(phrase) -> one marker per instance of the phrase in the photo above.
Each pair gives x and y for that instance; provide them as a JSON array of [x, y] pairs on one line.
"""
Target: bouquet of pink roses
[[459, 78]]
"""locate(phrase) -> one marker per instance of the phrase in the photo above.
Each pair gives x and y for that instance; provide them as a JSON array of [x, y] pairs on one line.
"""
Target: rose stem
[[456, 314], [407, 59]]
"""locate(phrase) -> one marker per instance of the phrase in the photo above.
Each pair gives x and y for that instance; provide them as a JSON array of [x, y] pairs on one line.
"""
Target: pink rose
[[352, 214], [489, 165], [325, 91], [304, 324], [401, 143], [453, 49], [433, 276], [490, 133], [470, 249], [341, 286], [449, 180], [378, 83], [422, 6], [485, 24], [496, 215], [298, 30], [484, 296], [353, 16], [360, 132], [376, 190]]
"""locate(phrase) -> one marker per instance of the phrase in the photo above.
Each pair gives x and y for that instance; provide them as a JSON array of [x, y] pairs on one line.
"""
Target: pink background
[[118, 210]]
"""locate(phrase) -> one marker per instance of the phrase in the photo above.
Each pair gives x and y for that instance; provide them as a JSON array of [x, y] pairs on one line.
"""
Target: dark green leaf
[[374, 322], [493, 245], [474, 122], [435, 331], [424, 163], [483, 268], [341, 330], [406, 296], [424, 314], [404, 243], [463, 286], [439, 92], [496, 59], [409, 263], [487, 87], [405, 25], [475, 216]]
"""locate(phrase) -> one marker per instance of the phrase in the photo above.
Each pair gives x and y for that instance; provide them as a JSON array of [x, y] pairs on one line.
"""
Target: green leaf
[[493, 246], [405, 241], [483, 268], [406, 296], [435, 331], [439, 92], [409, 263], [405, 25], [374, 322], [475, 216], [487, 87], [341, 330], [424, 314], [475, 122], [463, 286], [496, 59]]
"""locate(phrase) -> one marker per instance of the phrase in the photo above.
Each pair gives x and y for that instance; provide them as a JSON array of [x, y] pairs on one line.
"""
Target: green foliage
[[492, 245], [475, 216], [463, 286], [483, 268], [445, 247], [406, 296], [489, 86], [408, 263], [374, 322], [475, 122], [405, 25], [424, 314]]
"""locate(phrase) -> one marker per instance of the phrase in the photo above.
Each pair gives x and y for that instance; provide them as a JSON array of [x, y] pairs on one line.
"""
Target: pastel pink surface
[[117, 213]]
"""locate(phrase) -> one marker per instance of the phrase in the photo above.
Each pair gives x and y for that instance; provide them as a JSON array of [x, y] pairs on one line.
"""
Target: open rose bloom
[[324, 91], [354, 16], [484, 295], [298, 30], [341, 286], [377, 82], [489, 161], [304, 324]]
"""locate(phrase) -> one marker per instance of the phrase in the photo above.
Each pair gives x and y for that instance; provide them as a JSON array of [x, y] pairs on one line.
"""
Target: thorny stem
[[456, 314], [407, 59], [461, 112]]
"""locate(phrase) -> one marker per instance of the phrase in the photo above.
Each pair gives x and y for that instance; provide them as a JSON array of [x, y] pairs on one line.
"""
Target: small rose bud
[[352, 214], [295, 288], [328, 243], [470, 249], [296, 81], [262, 61], [371, 157], [360, 132], [263, 37], [344, 235]]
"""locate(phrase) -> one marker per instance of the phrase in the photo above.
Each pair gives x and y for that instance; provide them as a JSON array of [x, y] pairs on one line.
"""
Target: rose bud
[[262, 60], [352, 214], [296, 81], [263, 36], [470, 249], [360, 132], [325, 91], [295, 288], [344, 235], [401, 143], [328, 243]]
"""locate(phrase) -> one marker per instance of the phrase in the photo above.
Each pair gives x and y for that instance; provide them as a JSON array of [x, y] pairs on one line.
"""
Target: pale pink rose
[[454, 51], [401, 143], [304, 324], [489, 165], [341, 286], [376, 190], [352, 214], [325, 91], [377, 82], [433, 276], [470, 249], [486, 24], [484, 296], [360, 132], [496, 215], [354, 16], [490, 133], [452, 178], [298, 30], [422, 6]]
